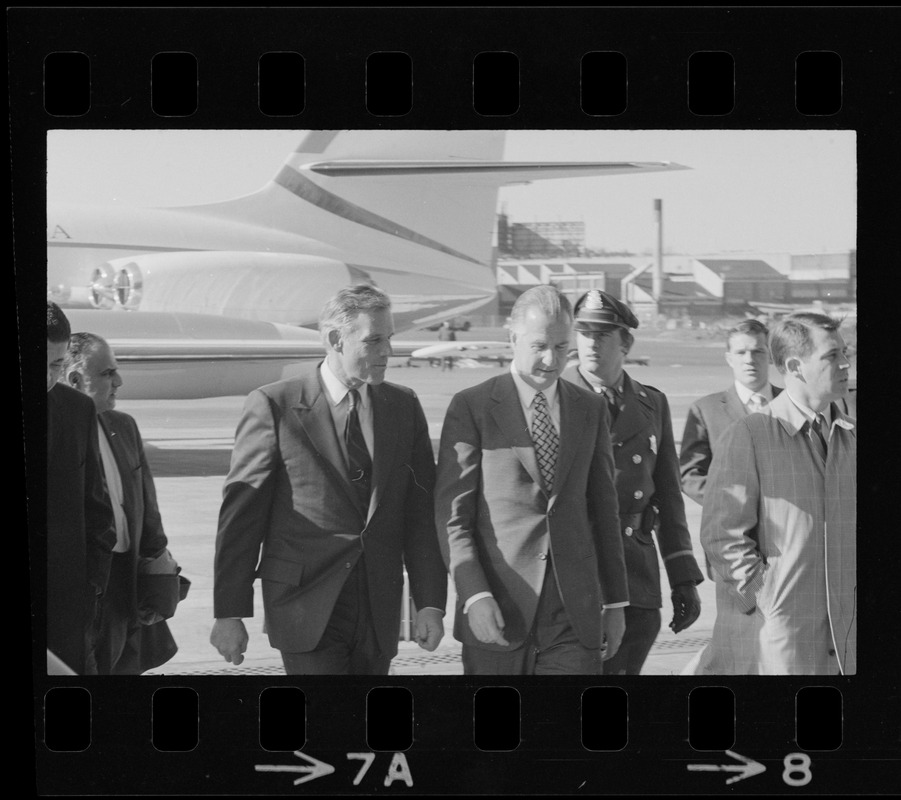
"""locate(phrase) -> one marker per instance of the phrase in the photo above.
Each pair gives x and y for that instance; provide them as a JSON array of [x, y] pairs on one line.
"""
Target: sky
[[746, 191]]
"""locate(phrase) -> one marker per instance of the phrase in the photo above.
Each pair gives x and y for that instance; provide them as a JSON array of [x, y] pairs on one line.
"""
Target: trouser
[[642, 627], [118, 615], [348, 645], [551, 648]]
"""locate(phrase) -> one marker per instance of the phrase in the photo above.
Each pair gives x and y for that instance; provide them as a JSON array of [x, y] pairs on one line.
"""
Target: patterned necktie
[[817, 439], [757, 402], [358, 460], [544, 437]]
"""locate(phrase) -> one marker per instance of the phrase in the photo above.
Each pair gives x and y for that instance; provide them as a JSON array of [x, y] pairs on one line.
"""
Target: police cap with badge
[[597, 311]]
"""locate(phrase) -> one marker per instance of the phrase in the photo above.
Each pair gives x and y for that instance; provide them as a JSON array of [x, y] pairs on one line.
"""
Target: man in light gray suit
[[526, 509], [780, 509]]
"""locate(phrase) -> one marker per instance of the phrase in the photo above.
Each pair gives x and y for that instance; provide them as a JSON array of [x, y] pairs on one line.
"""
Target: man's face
[[361, 352], [749, 358], [540, 346], [56, 352], [99, 378], [601, 352], [825, 371]]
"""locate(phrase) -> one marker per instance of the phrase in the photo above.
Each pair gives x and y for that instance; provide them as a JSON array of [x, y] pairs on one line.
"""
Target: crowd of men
[[111, 581], [556, 495]]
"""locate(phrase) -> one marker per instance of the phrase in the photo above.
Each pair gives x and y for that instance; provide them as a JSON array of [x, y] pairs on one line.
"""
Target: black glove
[[686, 606]]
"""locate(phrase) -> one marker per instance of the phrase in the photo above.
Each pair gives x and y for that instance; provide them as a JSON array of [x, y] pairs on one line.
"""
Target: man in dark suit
[[647, 478], [132, 638], [80, 531], [332, 476], [526, 509], [708, 418]]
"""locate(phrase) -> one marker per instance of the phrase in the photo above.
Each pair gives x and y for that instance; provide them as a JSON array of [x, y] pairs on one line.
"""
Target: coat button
[[638, 494], [347, 565], [542, 556], [831, 652], [628, 531], [636, 459]]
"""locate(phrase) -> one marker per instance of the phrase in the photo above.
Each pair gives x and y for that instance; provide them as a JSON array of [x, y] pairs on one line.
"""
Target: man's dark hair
[[58, 329], [791, 337]]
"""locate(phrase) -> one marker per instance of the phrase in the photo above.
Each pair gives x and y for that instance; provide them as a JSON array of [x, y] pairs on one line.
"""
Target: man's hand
[[487, 622], [686, 606], [614, 625], [429, 628], [229, 637]]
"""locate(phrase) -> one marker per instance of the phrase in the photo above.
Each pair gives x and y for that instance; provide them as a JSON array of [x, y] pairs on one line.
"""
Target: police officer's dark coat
[[647, 475]]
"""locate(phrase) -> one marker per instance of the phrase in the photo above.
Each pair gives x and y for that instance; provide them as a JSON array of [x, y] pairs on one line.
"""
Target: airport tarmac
[[188, 445]]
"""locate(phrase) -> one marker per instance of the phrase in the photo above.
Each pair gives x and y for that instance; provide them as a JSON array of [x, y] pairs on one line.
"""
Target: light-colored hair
[[340, 312], [58, 329], [548, 299], [790, 337], [748, 327], [81, 346]]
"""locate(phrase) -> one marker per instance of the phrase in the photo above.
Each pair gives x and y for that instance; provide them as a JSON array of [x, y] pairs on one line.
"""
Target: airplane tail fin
[[436, 189]]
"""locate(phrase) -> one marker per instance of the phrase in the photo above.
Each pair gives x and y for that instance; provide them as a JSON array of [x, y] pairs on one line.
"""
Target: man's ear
[[793, 367], [72, 378], [334, 339]]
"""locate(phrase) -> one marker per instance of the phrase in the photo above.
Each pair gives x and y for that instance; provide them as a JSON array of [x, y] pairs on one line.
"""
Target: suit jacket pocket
[[275, 569], [765, 593]]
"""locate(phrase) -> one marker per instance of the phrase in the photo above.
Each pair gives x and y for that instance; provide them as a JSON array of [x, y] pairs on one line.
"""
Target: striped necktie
[[359, 461], [817, 439], [545, 439]]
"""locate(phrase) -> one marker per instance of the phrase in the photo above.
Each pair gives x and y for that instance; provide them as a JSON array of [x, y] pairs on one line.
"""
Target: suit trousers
[[551, 648], [348, 645], [642, 627], [117, 615]]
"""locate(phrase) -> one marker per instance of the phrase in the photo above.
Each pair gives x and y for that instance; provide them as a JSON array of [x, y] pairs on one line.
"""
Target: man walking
[[526, 510]]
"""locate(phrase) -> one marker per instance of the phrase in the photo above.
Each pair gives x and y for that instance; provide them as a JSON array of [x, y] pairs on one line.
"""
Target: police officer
[[647, 479]]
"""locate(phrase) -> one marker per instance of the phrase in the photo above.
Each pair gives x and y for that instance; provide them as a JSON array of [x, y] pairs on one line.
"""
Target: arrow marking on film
[[747, 769], [316, 768]]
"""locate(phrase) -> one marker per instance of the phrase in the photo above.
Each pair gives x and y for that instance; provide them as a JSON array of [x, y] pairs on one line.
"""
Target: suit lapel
[[315, 417], [732, 405], [507, 414], [573, 413], [385, 425]]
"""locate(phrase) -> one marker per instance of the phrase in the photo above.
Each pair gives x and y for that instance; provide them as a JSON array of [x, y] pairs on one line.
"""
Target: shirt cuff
[[439, 610], [477, 596], [623, 604]]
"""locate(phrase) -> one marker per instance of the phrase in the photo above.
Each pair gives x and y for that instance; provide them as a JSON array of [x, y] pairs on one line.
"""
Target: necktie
[[612, 402], [545, 439], [358, 460], [817, 439], [757, 402]]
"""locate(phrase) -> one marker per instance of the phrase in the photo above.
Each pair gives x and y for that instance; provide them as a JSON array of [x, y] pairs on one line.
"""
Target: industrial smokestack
[[657, 285]]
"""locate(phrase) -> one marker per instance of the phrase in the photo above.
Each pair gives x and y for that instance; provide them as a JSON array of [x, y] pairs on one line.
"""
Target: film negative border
[[443, 45]]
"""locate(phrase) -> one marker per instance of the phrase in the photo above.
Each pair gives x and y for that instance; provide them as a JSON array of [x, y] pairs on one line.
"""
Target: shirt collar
[[810, 415], [597, 383], [336, 390], [527, 393], [745, 394]]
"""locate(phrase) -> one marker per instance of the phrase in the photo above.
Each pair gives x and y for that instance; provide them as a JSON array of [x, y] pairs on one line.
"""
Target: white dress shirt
[[114, 487], [339, 405], [745, 394]]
